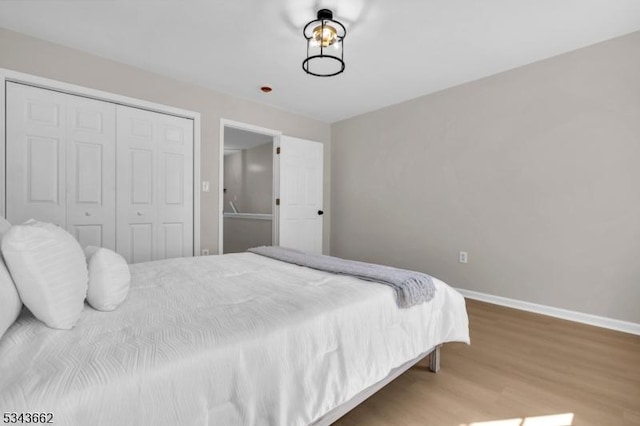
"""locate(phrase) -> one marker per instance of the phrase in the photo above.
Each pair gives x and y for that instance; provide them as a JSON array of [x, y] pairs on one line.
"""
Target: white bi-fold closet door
[[107, 173], [155, 185], [60, 162]]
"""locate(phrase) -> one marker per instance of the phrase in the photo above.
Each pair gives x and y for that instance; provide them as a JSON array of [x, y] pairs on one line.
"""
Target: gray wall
[[22, 53], [248, 178], [535, 172]]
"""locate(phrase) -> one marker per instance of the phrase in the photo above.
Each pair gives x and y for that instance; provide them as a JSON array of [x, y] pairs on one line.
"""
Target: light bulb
[[325, 35]]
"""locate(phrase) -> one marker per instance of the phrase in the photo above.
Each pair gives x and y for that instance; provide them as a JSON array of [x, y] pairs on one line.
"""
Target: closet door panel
[[35, 153], [175, 209], [142, 173], [172, 236], [43, 175], [91, 200], [154, 185], [142, 242], [136, 182], [89, 235], [172, 176], [141, 215]]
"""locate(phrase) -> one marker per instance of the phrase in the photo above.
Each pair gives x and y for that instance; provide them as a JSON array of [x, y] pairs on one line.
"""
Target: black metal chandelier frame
[[324, 22]]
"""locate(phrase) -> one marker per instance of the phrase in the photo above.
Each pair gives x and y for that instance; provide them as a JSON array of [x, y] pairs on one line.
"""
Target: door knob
[[87, 214], [320, 212], [139, 213]]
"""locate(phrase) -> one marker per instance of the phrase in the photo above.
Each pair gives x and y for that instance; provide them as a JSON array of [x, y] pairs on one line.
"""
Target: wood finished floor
[[519, 365]]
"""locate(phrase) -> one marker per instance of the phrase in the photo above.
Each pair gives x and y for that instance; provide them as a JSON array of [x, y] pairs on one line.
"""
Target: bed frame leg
[[434, 360]]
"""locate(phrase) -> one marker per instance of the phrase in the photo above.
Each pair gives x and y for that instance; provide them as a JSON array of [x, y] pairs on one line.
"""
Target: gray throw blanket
[[411, 287]]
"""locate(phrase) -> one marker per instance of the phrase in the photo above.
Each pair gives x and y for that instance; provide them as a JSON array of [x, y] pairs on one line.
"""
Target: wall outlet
[[205, 252], [463, 257], [205, 186]]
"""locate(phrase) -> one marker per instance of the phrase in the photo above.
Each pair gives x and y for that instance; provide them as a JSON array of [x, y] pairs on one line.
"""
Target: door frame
[[275, 134], [86, 92]]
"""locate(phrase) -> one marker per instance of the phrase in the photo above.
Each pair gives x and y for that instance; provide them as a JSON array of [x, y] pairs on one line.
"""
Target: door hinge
[[277, 201], [278, 150]]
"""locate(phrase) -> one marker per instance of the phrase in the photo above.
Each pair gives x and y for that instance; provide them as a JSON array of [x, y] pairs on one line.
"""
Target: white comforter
[[221, 340]]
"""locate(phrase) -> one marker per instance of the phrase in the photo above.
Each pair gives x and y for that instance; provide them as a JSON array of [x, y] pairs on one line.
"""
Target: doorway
[[248, 172], [295, 171]]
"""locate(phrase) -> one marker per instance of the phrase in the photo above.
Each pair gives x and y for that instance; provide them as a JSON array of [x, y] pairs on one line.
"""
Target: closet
[[112, 175]]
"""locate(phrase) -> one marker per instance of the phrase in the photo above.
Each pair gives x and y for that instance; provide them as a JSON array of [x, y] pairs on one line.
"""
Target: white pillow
[[50, 272], [10, 303], [109, 278]]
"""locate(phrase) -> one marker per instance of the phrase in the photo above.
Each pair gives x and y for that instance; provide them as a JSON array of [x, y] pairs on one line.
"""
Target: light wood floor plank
[[519, 365]]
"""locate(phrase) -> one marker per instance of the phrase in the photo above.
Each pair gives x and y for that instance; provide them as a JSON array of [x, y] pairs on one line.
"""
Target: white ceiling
[[394, 50]]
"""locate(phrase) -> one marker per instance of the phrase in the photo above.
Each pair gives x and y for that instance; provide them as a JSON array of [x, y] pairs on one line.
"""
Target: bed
[[224, 340]]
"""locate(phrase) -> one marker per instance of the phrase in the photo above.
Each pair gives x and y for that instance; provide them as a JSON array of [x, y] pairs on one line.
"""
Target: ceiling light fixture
[[325, 45]]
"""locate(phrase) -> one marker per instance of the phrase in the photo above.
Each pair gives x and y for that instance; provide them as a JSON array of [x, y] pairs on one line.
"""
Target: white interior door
[[36, 143], [91, 181], [300, 210], [154, 185]]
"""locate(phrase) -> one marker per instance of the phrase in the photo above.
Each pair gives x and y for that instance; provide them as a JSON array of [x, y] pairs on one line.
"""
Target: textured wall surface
[[534, 172]]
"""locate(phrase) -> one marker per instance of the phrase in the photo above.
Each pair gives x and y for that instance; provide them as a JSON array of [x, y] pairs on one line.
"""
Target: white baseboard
[[604, 322]]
